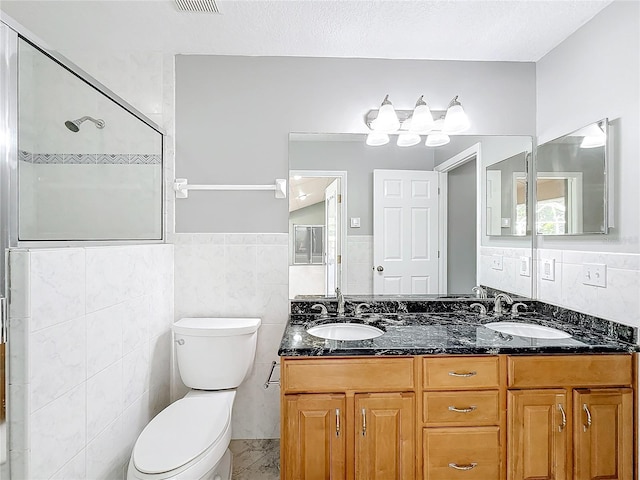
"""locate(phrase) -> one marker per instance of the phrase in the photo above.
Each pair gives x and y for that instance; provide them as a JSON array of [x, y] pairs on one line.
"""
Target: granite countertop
[[453, 333]]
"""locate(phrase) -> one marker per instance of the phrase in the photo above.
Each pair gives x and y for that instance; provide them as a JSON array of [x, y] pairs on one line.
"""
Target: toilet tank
[[215, 353]]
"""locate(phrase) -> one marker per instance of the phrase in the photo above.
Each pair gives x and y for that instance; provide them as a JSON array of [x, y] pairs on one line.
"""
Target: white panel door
[[332, 236], [494, 202], [405, 232]]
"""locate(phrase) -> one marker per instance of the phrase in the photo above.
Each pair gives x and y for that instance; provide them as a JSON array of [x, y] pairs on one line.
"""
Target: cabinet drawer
[[461, 372], [461, 408], [461, 453], [569, 370], [352, 374]]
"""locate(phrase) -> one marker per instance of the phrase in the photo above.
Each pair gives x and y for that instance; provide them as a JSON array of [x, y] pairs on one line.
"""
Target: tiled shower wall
[[239, 275], [90, 356]]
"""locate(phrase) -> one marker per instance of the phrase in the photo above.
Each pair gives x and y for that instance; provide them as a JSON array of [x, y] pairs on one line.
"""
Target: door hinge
[[438, 190], [339, 198], [339, 259], [438, 253]]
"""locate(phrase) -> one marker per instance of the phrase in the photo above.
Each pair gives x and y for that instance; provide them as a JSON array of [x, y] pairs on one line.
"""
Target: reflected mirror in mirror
[[401, 220], [506, 189], [88, 169], [571, 190]]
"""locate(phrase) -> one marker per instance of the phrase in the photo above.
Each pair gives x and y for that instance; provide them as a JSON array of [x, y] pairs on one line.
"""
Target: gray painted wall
[[461, 228], [593, 74], [358, 160], [234, 114]]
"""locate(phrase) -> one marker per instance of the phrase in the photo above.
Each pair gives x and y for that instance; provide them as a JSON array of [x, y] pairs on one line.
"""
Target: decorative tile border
[[90, 158]]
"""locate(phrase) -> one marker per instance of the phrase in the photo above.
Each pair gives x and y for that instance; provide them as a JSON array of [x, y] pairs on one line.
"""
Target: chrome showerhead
[[74, 125]]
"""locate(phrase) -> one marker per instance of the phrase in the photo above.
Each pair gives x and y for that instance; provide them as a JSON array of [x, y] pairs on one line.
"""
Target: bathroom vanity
[[439, 396]]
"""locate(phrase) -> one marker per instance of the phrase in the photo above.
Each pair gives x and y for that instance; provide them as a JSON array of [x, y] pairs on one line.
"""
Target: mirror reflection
[[506, 186], [571, 193], [401, 220]]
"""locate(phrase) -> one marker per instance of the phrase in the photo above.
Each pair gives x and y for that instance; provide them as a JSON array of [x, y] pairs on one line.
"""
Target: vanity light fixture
[[377, 139], [407, 138], [455, 121], [594, 136], [410, 124], [387, 120]]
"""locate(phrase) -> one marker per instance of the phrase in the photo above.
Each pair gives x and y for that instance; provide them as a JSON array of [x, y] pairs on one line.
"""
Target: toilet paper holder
[[269, 381]]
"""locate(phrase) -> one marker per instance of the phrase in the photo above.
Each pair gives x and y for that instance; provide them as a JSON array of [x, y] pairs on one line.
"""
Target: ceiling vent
[[203, 6]]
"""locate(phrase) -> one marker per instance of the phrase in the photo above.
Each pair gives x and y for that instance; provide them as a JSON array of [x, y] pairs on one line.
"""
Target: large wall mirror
[[571, 183], [407, 220]]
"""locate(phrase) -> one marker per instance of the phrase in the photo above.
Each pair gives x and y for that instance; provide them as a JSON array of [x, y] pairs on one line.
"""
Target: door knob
[[380, 268]]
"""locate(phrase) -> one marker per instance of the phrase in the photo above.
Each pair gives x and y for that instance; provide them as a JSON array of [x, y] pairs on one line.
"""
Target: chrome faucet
[[340, 302], [498, 308], [358, 312], [479, 291], [514, 308]]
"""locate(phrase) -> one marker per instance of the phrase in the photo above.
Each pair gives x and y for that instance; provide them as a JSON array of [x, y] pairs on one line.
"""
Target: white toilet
[[189, 440]]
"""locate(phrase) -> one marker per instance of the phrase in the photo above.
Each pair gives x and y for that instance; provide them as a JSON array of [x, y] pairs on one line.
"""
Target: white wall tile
[[135, 374], [57, 286], [136, 316], [104, 338], [75, 469], [18, 350], [134, 419], [58, 361], [272, 268], [58, 433], [106, 454], [104, 399], [19, 296], [256, 411]]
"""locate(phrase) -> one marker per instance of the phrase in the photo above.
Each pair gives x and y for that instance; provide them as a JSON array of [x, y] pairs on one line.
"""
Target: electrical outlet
[[525, 266], [548, 269], [594, 274], [496, 262]]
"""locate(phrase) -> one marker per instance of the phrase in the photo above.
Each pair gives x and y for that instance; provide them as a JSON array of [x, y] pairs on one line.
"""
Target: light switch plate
[[496, 262], [505, 222], [525, 266], [355, 222], [594, 274], [548, 269]]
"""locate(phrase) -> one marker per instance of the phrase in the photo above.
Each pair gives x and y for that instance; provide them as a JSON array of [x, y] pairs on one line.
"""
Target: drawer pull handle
[[586, 410], [337, 422], [462, 410], [468, 374], [468, 466], [564, 418], [364, 422]]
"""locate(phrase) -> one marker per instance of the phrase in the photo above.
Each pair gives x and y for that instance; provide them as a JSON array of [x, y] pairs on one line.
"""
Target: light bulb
[[455, 120], [408, 139], [594, 137]]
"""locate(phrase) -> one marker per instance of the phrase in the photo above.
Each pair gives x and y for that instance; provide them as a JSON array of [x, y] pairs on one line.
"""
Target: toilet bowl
[[189, 439]]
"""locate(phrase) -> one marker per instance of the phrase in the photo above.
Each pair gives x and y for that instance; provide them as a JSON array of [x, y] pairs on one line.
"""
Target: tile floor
[[256, 459]]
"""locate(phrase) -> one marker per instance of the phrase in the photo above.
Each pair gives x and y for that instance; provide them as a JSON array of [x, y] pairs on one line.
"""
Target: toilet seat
[[195, 429]]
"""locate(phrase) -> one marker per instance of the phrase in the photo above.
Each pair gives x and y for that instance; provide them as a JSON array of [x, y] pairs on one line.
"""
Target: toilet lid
[[180, 433]]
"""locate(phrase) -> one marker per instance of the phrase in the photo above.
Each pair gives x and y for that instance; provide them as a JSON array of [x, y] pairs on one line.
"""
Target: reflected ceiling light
[[302, 196], [407, 138], [437, 139], [455, 120], [387, 120], [377, 139], [297, 177], [422, 119], [594, 136]]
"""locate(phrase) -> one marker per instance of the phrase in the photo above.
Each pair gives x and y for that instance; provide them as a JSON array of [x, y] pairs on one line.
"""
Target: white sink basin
[[527, 330], [345, 331]]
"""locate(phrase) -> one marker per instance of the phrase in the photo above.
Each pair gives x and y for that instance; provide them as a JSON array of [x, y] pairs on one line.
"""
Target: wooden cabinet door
[[603, 434], [385, 436], [537, 434], [314, 437]]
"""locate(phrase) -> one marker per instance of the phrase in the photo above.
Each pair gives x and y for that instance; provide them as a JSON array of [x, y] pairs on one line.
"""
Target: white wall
[[234, 114], [90, 356], [593, 74]]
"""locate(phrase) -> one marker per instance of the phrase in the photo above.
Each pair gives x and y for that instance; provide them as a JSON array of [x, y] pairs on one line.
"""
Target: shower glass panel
[[88, 169]]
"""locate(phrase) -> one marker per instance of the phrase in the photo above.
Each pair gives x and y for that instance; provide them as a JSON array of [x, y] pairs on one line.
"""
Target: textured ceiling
[[506, 30]]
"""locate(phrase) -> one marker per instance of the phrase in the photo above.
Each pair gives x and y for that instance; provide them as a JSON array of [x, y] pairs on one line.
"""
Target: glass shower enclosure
[[78, 166]]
